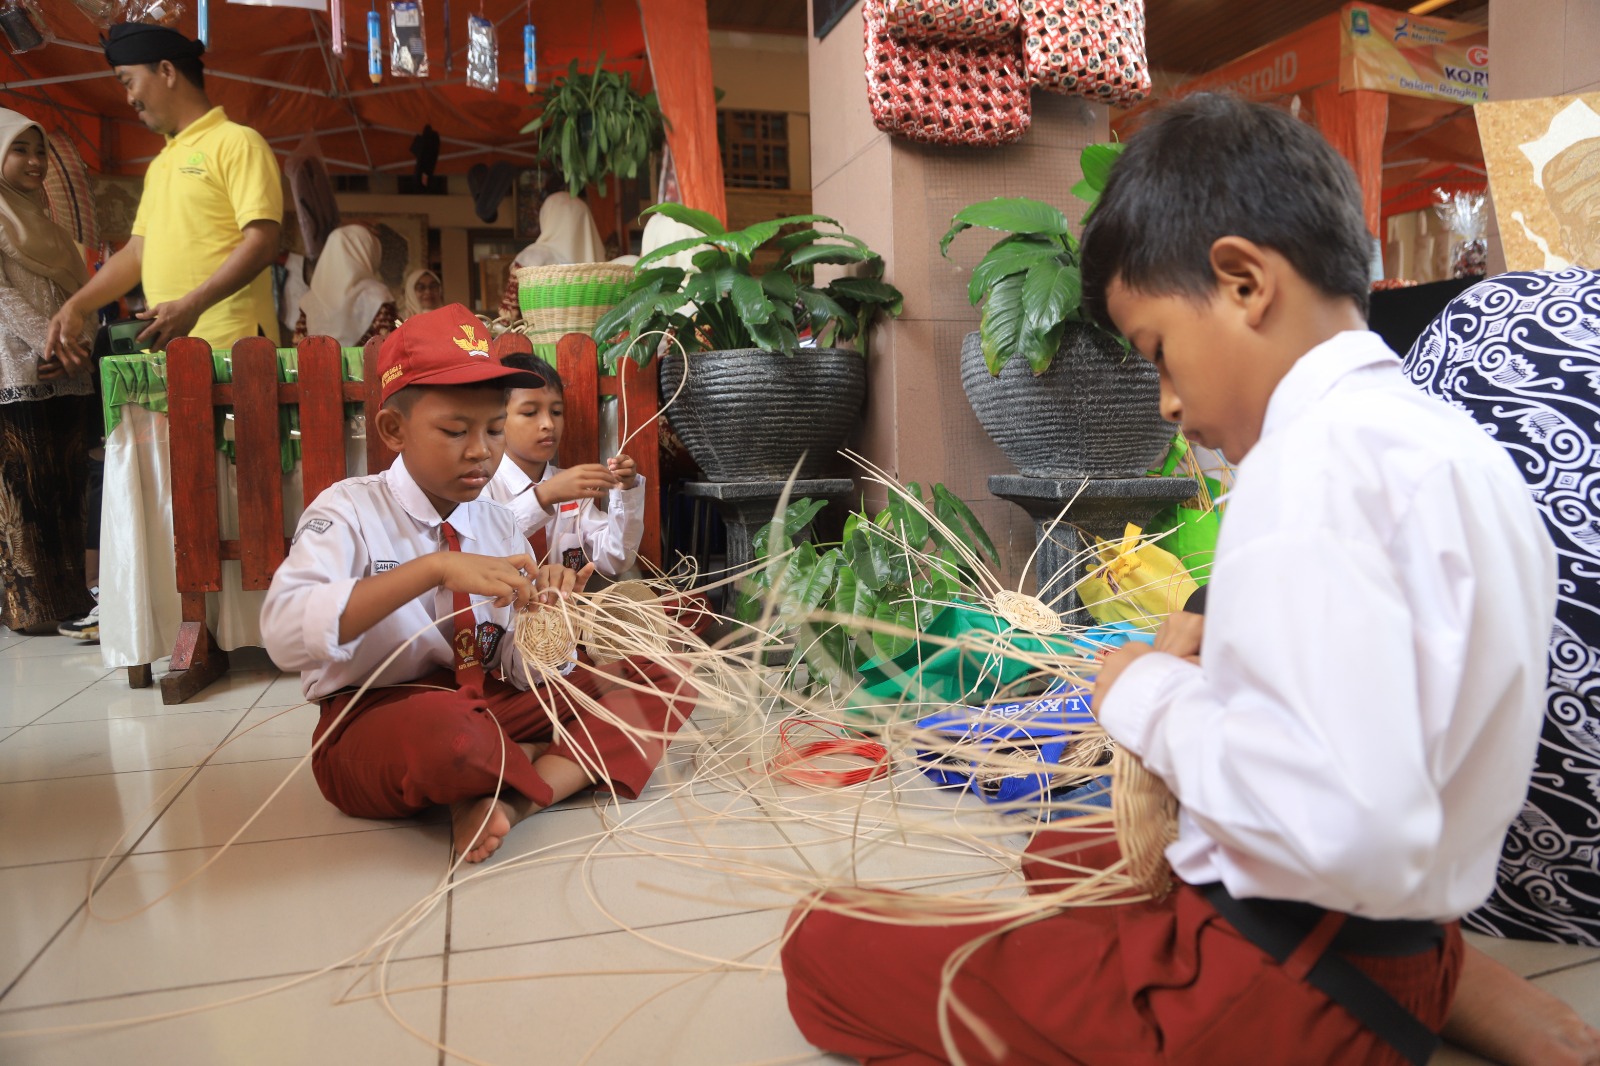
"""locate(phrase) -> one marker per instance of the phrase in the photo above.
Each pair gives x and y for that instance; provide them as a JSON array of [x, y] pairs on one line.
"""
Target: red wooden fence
[[255, 395]]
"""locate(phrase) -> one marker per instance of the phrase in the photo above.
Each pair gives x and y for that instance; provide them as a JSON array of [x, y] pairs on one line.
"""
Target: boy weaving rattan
[[1358, 729]]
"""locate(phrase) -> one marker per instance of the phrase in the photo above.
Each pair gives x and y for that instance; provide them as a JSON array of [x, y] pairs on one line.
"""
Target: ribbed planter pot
[[1095, 413], [748, 415]]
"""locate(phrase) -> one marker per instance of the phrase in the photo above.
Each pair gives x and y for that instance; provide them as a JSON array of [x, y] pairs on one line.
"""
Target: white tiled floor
[[649, 944]]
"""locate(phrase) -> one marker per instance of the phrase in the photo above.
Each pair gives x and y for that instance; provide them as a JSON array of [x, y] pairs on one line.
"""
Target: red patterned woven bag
[[1091, 48], [963, 20], [970, 93]]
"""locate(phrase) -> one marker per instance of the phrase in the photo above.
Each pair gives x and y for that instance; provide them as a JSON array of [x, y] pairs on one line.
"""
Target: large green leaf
[[703, 221], [1011, 214], [750, 300], [1051, 291], [822, 308], [1096, 161], [812, 254], [907, 521], [795, 517], [868, 557], [811, 585], [790, 241], [1003, 316], [953, 512], [672, 248], [780, 286], [1014, 255], [901, 614], [869, 291]]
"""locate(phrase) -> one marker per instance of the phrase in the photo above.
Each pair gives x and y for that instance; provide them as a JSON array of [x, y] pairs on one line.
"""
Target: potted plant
[[894, 572], [597, 124], [758, 396], [1075, 404]]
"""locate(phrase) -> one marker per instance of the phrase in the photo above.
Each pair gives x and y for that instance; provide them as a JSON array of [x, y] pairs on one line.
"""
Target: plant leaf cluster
[[723, 305], [1031, 282], [597, 124], [895, 567]]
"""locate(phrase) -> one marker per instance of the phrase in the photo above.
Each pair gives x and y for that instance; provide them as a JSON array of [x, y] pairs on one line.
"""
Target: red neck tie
[[469, 670]]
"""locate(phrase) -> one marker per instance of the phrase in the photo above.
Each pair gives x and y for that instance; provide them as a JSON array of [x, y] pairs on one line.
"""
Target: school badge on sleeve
[[488, 643]]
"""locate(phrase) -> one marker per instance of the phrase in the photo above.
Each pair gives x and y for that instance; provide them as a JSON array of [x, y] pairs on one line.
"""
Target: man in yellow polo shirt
[[208, 221]]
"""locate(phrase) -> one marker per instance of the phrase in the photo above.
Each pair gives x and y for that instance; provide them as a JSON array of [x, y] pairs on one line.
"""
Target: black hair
[[191, 67], [1212, 166], [534, 365], [406, 396]]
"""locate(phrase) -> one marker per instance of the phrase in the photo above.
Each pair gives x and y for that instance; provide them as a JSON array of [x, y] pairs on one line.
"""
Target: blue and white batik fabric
[[1521, 354]]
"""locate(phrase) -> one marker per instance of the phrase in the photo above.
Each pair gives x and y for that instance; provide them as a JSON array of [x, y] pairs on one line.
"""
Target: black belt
[[1312, 941]]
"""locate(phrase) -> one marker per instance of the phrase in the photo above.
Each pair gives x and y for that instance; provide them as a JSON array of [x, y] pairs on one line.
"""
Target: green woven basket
[[557, 300]]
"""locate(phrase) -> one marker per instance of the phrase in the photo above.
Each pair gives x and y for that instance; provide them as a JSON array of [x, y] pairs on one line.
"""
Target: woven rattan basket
[[557, 300]]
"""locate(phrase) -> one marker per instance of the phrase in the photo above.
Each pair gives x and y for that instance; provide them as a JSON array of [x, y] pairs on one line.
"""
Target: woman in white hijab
[[347, 300], [422, 291], [46, 417], [567, 235]]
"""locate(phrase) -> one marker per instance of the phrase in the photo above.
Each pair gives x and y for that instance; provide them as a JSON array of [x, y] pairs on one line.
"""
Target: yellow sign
[[1393, 52]]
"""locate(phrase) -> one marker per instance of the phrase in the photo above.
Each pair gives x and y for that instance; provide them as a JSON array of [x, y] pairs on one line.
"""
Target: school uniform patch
[[384, 566], [572, 506], [489, 636], [574, 559], [316, 525]]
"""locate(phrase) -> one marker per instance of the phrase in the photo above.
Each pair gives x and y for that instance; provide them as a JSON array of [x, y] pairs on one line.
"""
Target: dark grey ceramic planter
[[748, 415], [1095, 413]]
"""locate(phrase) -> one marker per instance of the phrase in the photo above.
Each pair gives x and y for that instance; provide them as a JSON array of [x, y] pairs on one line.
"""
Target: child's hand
[[622, 466], [1111, 668], [1180, 634], [506, 579], [556, 582], [585, 482]]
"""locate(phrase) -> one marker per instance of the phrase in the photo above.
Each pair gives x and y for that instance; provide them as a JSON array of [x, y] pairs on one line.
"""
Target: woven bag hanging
[[961, 93], [958, 20], [1089, 48]]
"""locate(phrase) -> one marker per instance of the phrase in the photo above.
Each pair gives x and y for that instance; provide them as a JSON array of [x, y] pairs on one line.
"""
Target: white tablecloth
[[140, 611]]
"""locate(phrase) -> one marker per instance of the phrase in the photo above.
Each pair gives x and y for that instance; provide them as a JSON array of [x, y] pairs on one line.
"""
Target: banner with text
[[1393, 52]]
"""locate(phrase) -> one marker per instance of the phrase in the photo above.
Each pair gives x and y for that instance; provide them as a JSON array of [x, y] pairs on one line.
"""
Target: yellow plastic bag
[[1135, 582]]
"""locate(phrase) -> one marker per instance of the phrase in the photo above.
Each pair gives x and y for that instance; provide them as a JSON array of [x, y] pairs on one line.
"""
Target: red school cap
[[449, 346]]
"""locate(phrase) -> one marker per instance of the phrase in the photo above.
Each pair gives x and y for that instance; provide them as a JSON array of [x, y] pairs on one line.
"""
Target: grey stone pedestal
[[746, 506], [1100, 507]]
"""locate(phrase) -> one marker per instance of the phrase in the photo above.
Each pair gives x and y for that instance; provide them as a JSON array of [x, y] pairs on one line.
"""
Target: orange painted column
[[679, 42], [1355, 123]]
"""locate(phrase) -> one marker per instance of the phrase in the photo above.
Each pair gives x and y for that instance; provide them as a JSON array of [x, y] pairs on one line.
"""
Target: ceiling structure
[[274, 69]]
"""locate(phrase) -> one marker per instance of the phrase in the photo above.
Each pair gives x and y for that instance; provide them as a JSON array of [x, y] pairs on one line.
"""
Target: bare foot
[[1506, 1018], [478, 827]]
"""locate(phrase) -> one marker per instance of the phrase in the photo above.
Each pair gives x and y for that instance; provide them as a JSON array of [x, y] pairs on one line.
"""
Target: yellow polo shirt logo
[[195, 164]]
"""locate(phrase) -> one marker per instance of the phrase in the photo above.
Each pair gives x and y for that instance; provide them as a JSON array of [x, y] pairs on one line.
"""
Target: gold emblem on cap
[[472, 344]]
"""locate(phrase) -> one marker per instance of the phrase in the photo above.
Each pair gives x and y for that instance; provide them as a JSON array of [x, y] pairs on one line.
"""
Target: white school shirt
[[609, 539], [364, 526], [1362, 729]]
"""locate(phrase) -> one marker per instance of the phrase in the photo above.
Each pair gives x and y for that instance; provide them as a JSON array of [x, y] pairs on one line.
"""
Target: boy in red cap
[[380, 583]]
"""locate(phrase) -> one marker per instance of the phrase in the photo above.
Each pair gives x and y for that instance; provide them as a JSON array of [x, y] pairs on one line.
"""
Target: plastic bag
[[160, 12], [1136, 582], [23, 26], [1463, 214], [100, 12], [483, 54], [408, 53]]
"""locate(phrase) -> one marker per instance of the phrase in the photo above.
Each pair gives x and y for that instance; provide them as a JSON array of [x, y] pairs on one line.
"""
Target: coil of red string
[[972, 93], [791, 761]]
